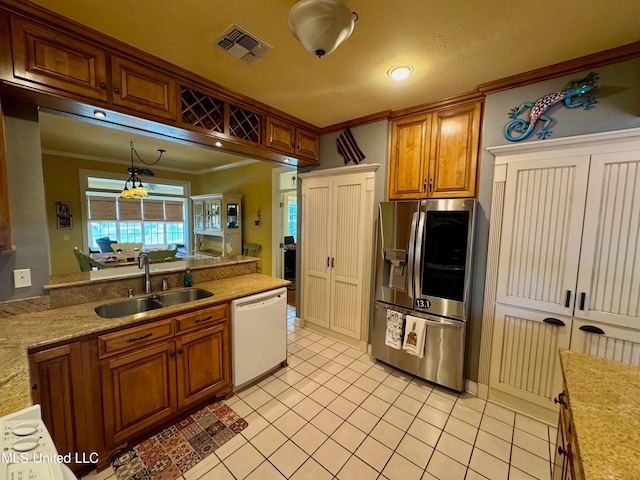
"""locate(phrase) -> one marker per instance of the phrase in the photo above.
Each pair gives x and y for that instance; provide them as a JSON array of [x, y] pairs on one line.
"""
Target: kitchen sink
[[127, 307], [139, 305], [182, 296]]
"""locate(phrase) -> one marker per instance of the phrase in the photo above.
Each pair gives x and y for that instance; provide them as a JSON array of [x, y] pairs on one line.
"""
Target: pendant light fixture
[[137, 191], [321, 25]]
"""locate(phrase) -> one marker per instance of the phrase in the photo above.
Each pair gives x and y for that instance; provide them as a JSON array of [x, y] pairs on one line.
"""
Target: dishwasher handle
[[259, 300]]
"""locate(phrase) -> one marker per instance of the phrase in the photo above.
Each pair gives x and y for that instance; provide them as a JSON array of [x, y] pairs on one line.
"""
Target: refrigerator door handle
[[417, 260], [412, 249]]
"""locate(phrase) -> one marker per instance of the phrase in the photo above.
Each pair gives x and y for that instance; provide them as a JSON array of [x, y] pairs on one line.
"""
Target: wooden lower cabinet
[[203, 364], [146, 387], [138, 390], [56, 379], [565, 464]]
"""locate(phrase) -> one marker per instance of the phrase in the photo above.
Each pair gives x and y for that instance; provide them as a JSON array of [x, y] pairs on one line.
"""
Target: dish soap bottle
[[188, 278]]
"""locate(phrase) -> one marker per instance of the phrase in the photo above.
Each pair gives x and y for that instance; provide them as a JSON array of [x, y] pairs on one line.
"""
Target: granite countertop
[[604, 406], [20, 333]]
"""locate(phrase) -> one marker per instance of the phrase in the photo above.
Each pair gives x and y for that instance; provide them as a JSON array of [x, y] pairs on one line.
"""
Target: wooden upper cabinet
[[287, 138], [408, 157], [307, 144], [435, 155], [455, 136], [58, 61], [143, 89]]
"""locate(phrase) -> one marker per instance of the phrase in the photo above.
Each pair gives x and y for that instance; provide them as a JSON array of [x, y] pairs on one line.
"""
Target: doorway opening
[[285, 227]]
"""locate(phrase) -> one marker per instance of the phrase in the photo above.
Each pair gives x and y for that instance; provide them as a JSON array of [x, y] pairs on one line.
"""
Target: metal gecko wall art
[[574, 90]]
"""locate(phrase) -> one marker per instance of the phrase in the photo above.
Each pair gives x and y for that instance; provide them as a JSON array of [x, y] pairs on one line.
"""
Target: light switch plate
[[22, 278]]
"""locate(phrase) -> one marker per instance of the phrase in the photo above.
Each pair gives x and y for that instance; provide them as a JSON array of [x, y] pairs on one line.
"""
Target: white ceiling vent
[[241, 44]]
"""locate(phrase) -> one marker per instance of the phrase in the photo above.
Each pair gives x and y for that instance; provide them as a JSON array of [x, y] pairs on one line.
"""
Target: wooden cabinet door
[[544, 204], [204, 364], [316, 234], [453, 165], [281, 136], [307, 144], [56, 379], [409, 156], [6, 236], [143, 89], [56, 60], [525, 363], [138, 390], [609, 273]]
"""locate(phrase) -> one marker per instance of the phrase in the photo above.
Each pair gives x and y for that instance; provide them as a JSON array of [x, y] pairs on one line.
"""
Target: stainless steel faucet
[[143, 262]]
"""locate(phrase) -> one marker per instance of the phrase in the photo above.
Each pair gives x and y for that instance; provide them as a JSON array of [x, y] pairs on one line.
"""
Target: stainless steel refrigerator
[[423, 259]]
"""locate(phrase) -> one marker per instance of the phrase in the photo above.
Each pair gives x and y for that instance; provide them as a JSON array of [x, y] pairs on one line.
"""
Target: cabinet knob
[[562, 451], [34, 386], [116, 90], [172, 354], [102, 85], [180, 352], [430, 185]]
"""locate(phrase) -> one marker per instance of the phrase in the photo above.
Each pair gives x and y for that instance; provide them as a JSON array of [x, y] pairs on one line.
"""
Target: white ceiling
[[454, 46]]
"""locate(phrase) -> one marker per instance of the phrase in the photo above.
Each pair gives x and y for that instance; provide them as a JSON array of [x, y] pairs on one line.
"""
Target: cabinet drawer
[[133, 338], [202, 318]]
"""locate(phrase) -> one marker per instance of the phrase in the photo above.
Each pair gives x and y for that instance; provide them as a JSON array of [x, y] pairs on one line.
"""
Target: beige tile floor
[[337, 413]]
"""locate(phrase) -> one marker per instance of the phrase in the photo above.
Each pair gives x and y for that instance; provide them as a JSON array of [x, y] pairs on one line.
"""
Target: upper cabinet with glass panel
[[217, 214]]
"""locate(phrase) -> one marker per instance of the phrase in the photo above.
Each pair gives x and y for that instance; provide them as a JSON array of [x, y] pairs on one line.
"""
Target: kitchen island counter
[[22, 334], [604, 407]]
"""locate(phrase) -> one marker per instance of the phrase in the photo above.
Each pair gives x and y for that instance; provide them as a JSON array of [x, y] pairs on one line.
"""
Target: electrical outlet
[[22, 278], [65, 238]]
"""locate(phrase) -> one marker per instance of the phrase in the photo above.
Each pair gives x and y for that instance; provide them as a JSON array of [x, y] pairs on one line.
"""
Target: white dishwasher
[[259, 332]]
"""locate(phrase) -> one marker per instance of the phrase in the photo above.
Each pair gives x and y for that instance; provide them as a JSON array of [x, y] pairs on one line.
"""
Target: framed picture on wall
[[63, 215]]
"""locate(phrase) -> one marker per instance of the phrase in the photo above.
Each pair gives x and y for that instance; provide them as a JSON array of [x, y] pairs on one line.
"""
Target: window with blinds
[[151, 221]]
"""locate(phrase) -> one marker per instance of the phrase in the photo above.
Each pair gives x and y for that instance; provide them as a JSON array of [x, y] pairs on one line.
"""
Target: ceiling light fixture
[[400, 72], [137, 191], [218, 144], [99, 114], [321, 25]]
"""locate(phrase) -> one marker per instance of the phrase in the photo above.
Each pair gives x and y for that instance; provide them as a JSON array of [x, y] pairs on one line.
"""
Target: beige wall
[[254, 183], [62, 183]]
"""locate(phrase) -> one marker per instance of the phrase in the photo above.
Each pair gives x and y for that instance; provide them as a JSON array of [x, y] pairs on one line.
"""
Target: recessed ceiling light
[[99, 114], [286, 160], [218, 144], [400, 72]]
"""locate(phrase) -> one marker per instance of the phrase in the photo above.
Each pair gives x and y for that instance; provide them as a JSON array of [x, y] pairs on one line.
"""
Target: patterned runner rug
[[175, 450]]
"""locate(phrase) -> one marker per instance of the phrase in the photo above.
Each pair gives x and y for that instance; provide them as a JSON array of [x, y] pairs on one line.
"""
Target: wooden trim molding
[[606, 57], [328, 172], [491, 276]]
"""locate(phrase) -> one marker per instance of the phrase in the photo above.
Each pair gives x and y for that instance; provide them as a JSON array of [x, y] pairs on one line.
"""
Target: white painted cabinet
[[606, 341], [571, 237], [564, 244], [525, 363], [544, 204], [337, 242]]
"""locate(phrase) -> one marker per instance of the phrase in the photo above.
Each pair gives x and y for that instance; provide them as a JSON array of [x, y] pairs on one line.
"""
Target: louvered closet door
[[316, 236], [346, 272], [524, 361], [606, 341], [609, 276], [542, 228]]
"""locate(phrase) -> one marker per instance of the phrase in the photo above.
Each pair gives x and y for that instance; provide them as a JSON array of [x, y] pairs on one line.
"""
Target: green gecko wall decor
[[574, 90]]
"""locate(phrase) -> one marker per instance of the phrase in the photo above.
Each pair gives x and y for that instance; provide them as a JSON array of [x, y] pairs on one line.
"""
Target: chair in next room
[[253, 250], [85, 261]]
